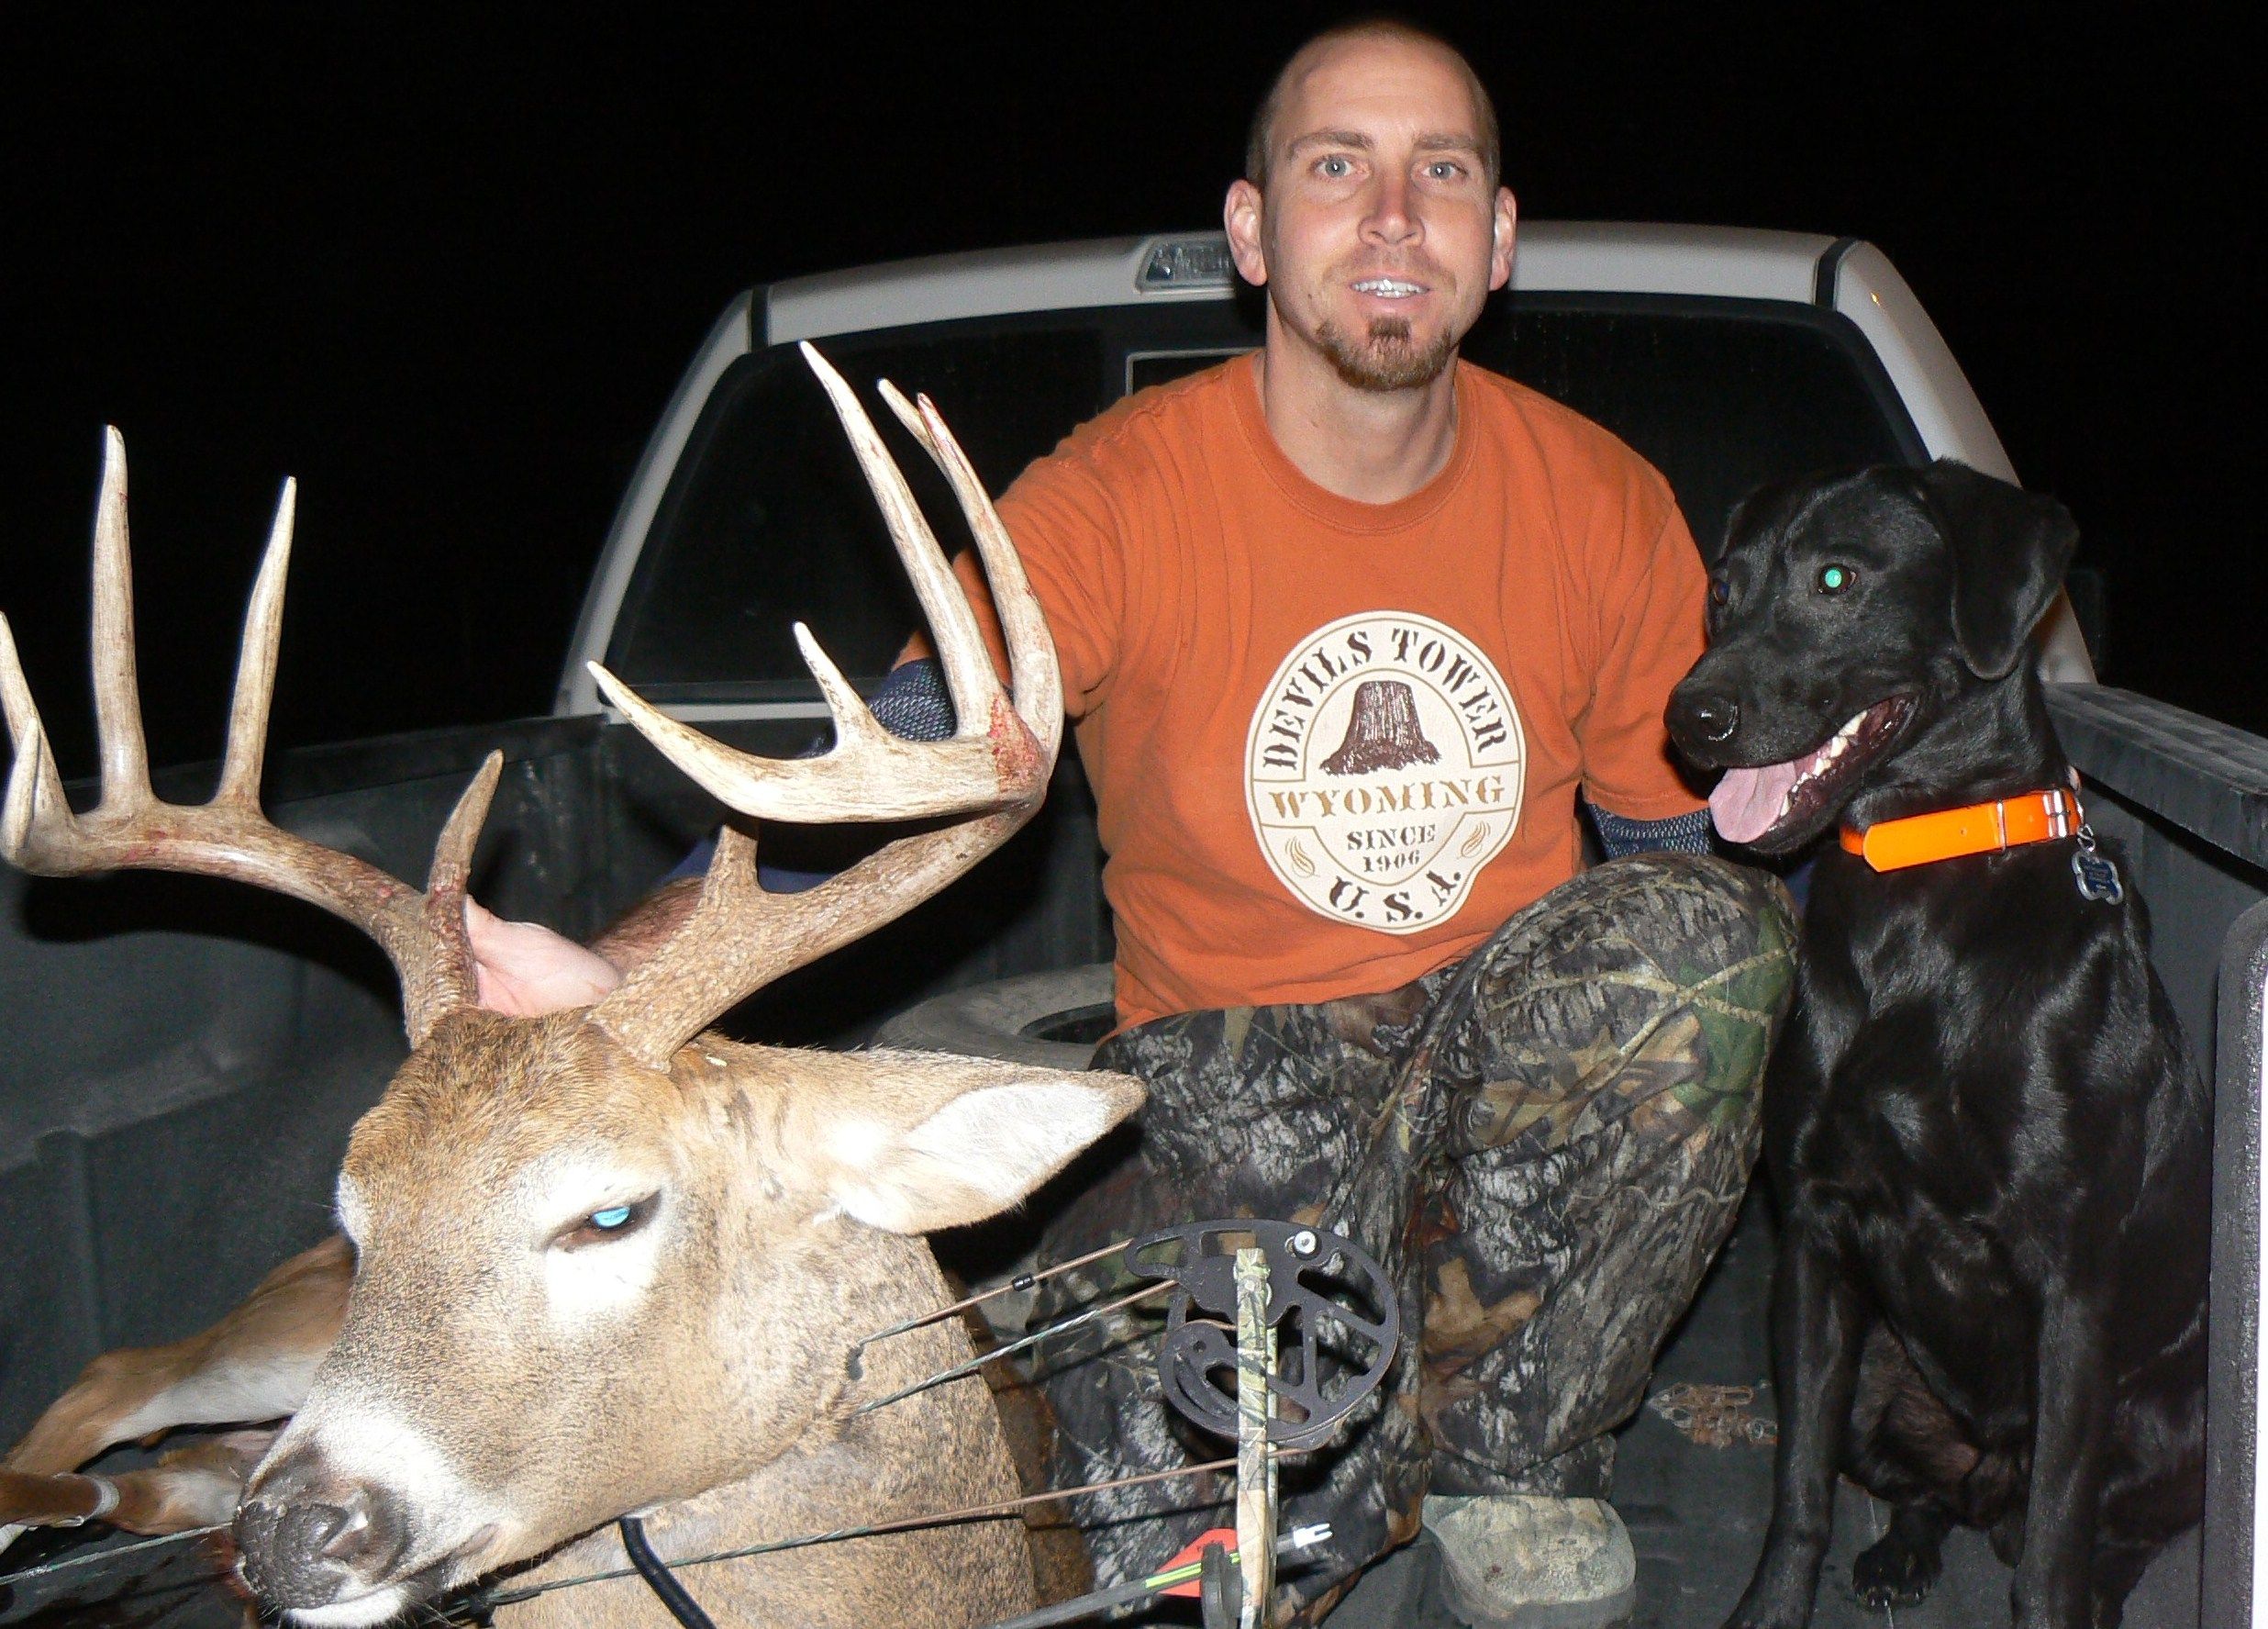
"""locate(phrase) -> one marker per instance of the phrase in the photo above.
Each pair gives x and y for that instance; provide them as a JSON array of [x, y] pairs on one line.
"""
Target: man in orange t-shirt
[[1347, 628]]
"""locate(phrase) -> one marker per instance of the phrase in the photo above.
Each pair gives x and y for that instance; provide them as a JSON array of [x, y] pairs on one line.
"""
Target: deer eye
[[608, 1222]]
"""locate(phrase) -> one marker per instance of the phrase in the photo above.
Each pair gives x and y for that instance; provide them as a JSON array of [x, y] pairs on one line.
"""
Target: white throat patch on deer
[[604, 1263]]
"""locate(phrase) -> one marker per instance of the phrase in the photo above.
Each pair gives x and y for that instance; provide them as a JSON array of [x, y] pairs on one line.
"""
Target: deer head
[[604, 1261]]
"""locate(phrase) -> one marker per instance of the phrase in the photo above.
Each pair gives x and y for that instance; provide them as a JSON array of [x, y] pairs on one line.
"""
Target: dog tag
[[2099, 878]]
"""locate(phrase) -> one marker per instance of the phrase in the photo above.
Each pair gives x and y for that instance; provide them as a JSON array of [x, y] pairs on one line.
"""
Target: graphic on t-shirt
[[1384, 769], [1381, 731]]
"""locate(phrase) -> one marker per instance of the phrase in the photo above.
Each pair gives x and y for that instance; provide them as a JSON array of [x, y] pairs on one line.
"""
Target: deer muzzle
[[310, 1540], [335, 1551]]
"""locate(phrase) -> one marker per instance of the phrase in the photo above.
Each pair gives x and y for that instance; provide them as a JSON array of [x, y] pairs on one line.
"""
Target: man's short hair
[[1262, 138]]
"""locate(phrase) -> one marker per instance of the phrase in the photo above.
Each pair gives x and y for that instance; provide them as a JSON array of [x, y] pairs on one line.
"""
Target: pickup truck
[[182, 1060]]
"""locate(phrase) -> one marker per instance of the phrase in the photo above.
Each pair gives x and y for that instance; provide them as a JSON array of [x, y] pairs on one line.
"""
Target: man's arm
[[1650, 589]]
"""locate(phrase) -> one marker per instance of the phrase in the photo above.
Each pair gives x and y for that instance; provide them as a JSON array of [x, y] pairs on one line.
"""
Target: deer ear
[[927, 1140]]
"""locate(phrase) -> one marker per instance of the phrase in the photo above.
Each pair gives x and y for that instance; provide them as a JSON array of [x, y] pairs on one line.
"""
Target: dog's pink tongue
[[1746, 801]]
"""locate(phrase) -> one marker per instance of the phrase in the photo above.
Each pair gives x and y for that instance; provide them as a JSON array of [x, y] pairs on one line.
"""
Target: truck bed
[[167, 1145]]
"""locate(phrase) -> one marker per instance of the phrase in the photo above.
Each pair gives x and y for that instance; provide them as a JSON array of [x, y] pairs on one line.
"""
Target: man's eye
[[1334, 167], [1444, 170]]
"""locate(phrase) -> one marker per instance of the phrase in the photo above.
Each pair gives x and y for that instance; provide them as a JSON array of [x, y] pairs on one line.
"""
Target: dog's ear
[[2008, 547]]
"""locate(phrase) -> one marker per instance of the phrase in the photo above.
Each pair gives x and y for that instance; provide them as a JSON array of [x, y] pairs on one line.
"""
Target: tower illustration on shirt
[[1383, 768], [1382, 732]]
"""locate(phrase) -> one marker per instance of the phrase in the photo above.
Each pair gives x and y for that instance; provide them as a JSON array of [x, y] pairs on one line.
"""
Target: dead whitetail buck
[[601, 1263]]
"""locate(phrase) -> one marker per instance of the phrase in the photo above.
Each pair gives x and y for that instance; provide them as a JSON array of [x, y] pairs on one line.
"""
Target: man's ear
[[1241, 216], [910, 1142], [1505, 232], [2009, 549]]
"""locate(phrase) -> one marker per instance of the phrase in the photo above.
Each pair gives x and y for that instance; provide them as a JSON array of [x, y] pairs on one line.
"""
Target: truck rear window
[[1720, 396], [767, 521]]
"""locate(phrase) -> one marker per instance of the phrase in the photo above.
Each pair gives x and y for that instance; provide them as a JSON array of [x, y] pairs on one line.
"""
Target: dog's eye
[[1834, 579], [1719, 592]]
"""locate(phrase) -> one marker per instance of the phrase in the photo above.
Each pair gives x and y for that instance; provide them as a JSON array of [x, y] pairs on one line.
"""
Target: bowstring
[[48, 1567]]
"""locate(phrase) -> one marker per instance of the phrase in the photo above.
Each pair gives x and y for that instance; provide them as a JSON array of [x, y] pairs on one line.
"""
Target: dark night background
[[444, 265]]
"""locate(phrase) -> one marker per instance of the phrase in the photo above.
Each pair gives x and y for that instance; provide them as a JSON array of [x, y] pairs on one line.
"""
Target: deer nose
[[302, 1551]]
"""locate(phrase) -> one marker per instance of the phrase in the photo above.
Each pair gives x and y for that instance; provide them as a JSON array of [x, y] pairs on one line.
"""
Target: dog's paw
[[1891, 1572]]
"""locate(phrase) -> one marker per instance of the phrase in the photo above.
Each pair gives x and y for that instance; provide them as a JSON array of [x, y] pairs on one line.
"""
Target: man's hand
[[526, 971]]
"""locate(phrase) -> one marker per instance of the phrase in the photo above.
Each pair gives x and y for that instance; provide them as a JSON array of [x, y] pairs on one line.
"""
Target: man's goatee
[[1385, 360]]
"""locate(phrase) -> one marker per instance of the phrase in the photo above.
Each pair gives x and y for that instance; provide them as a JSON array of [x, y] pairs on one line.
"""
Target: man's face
[[1379, 236]]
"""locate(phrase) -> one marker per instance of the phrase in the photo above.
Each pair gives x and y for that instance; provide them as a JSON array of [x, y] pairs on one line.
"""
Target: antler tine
[[34, 793], [739, 937], [1031, 650], [129, 828], [118, 695], [255, 680], [959, 647], [447, 980]]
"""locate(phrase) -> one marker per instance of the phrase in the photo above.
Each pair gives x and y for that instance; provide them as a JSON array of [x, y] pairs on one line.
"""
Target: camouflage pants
[[1543, 1144]]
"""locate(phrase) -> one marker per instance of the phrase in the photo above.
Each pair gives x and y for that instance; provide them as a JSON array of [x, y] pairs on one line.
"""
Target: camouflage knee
[[1717, 944], [1657, 973]]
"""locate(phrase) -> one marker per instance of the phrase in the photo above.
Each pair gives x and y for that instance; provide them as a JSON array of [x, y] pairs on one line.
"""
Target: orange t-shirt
[[1335, 745]]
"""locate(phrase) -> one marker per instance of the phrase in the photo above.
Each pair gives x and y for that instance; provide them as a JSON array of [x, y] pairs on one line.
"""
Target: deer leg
[[196, 1486], [254, 1365]]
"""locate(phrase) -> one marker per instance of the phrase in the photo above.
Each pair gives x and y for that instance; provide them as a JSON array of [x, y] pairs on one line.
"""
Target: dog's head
[[1849, 618]]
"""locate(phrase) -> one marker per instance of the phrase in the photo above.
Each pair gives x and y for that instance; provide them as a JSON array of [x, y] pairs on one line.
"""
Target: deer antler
[[130, 828], [739, 938]]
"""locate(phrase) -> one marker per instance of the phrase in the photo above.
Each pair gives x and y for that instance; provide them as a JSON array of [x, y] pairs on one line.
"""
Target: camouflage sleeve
[[912, 703], [1620, 836]]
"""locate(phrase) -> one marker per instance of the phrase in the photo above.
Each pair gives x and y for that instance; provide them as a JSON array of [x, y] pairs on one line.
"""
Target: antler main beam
[[131, 829], [993, 771]]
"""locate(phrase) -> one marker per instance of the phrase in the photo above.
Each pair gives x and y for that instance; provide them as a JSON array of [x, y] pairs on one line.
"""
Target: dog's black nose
[[1710, 717]]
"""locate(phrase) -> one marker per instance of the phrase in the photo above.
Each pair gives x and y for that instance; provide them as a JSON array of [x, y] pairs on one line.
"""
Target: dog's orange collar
[[1976, 829]]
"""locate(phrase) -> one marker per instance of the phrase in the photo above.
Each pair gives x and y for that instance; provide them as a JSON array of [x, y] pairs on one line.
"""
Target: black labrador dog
[[1989, 1148]]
